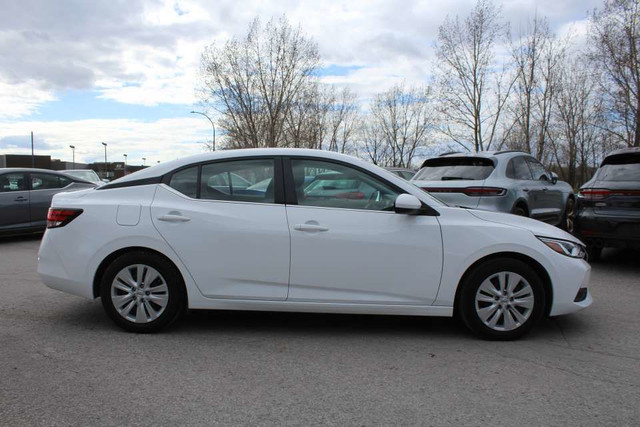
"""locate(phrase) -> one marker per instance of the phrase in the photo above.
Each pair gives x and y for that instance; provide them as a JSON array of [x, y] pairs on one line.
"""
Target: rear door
[[14, 201], [43, 187], [231, 234]]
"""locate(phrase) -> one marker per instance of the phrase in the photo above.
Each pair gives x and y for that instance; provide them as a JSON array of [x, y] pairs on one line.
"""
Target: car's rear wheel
[[519, 210], [142, 292], [502, 299], [569, 215]]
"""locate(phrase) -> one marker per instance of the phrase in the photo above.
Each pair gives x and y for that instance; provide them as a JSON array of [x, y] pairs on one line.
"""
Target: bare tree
[[253, 82], [374, 145], [536, 57], [578, 110], [343, 121], [404, 117], [472, 95], [615, 33]]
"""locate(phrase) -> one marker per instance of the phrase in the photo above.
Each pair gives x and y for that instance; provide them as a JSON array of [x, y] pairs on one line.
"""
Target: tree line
[[493, 89]]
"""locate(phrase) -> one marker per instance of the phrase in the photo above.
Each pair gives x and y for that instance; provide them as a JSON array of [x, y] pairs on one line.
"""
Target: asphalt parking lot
[[62, 362]]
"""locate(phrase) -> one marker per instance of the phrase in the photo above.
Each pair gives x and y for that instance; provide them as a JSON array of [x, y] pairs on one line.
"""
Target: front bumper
[[571, 276]]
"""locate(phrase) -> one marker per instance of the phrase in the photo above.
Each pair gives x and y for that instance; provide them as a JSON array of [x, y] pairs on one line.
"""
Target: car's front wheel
[[142, 292], [501, 299]]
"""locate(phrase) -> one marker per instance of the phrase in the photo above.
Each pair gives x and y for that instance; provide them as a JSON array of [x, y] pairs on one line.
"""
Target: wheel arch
[[112, 256], [521, 202], [538, 268]]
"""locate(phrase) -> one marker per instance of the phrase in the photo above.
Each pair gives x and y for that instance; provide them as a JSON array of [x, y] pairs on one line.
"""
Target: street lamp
[[144, 159], [73, 154], [105, 160], [125, 164], [212, 126]]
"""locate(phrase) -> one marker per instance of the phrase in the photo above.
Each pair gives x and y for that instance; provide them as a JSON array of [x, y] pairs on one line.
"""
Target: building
[[113, 170]]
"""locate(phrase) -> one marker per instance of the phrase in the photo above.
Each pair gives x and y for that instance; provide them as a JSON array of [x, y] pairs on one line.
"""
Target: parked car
[[403, 172], [25, 196], [85, 174], [159, 241], [501, 181], [608, 208]]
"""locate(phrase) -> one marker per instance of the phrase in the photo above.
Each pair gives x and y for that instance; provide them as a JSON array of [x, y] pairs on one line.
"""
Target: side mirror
[[407, 204], [554, 177]]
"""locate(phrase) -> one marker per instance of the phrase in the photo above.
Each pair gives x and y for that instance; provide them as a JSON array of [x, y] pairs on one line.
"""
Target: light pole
[[125, 164], [106, 174], [212, 127], [73, 154], [144, 159]]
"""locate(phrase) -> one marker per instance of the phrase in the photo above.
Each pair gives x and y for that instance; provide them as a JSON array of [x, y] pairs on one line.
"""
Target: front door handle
[[20, 199], [310, 227], [173, 218], [545, 189], [526, 190]]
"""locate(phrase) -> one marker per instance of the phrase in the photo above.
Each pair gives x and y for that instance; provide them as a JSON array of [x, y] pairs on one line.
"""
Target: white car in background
[[86, 174], [179, 235]]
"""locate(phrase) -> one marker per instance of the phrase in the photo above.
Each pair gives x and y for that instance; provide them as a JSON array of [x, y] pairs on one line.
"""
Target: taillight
[[603, 193], [59, 217], [469, 191], [484, 191], [594, 193]]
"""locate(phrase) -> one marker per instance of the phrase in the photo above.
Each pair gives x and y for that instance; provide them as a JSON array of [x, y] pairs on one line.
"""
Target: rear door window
[[455, 168], [518, 169], [45, 181], [620, 168]]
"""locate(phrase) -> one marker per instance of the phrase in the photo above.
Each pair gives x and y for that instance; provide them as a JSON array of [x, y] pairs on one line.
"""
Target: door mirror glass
[[407, 203]]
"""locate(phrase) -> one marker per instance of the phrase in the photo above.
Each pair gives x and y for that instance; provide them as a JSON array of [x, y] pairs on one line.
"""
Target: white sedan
[[191, 234]]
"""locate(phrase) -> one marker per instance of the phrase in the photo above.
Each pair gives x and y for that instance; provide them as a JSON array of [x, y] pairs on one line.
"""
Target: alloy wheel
[[139, 293], [504, 301]]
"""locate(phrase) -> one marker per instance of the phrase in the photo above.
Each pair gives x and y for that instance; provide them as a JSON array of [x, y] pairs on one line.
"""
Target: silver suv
[[504, 181]]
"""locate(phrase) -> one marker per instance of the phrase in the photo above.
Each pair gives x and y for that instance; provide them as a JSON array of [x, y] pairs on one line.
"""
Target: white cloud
[[162, 140], [21, 99]]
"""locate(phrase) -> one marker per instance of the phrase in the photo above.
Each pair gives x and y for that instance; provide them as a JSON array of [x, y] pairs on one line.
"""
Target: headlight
[[565, 247]]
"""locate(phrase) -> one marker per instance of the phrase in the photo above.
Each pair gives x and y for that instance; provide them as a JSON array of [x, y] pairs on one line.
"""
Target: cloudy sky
[[124, 71]]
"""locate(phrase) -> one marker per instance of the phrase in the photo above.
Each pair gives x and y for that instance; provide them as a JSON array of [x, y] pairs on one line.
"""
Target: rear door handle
[[310, 227], [545, 189], [173, 218], [20, 199], [526, 190]]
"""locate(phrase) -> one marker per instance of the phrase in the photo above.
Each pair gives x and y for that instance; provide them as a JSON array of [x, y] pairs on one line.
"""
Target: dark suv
[[608, 208]]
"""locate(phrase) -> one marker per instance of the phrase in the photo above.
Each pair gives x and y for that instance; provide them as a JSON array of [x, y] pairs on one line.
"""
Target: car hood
[[536, 227]]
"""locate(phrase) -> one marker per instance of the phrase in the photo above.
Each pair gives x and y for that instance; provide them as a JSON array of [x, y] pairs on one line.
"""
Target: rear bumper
[[607, 230]]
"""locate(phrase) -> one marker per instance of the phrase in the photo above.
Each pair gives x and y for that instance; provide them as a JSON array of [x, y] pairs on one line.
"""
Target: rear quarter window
[[455, 168]]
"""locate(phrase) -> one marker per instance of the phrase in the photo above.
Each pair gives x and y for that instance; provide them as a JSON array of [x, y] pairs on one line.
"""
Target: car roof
[[25, 170], [77, 170], [491, 153], [626, 150], [161, 169]]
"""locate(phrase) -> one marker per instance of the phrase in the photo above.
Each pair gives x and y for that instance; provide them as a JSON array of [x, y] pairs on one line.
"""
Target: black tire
[[177, 299], [519, 210], [466, 305], [568, 219], [594, 253]]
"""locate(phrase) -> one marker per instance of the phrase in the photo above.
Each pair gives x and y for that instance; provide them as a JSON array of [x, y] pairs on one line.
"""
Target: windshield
[[87, 175], [455, 168], [620, 168]]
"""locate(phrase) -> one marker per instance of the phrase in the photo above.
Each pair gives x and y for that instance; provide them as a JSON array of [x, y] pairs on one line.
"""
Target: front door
[[547, 198], [349, 246], [14, 201], [230, 231]]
